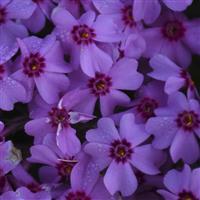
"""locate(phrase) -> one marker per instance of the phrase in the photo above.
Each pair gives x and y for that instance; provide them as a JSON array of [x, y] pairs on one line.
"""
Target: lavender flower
[[106, 86], [42, 65], [120, 151], [149, 10], [83, 34], [10, 12], [181, 184], [173, 36], [175, 126]]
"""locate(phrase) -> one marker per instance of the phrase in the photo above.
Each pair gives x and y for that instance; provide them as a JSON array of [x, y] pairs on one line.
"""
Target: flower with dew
[[42, 66], [176, 126], [182, 185], [174, 36], [11, 11], [106, 87], [175, 77], [83, 35], [120, 151]]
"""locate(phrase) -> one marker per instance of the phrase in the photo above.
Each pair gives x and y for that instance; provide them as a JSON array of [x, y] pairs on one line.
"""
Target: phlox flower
[[11, 11], [120, 151], [182, 184], [83, 35], [176, 126]]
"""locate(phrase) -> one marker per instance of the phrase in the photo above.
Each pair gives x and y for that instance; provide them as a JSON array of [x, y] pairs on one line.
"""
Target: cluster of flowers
[[113, 112]]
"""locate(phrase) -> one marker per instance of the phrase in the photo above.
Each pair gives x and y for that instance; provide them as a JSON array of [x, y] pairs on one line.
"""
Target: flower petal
[[135, 133], [144, 159], [164, 129], [105, 133], [93, 59], [177, 181], [99, 153], [184, 146], [177, 5], [42, 154], [51, 85], [67, 141], [123, 80], [120, 177], [111, 100]]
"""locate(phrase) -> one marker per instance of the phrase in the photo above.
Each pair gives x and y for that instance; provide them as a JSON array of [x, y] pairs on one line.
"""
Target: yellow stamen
[[189, 121], [34, 67], [85, 35], [121, 152], [100, 86]]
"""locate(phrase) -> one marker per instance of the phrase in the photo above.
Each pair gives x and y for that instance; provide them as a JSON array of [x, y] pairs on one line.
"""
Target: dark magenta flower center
[[186, 196], [34, 187], [188, 120], [121, 150], [146, 107], [78, 195], [188, 80], [173, 30], [2, 15], [34, 65], [65, 167], [100, 84], [2, 70], [127, 16], [59, 116], [83, 34], [38, 1]]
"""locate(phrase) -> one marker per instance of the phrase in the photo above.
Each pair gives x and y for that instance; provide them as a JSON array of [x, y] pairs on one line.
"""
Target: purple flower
[[149, 97], [119, 11], [83, 34], [149, 10], [10, 12], [120, 151], [132, 47], [57, 120], [42, 66], [86, 184], [106, 86], [23, 178], [24, 193], [175, 126], [174, 36], [98, 191], [58, 166], [174, 76], [183, 184]]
